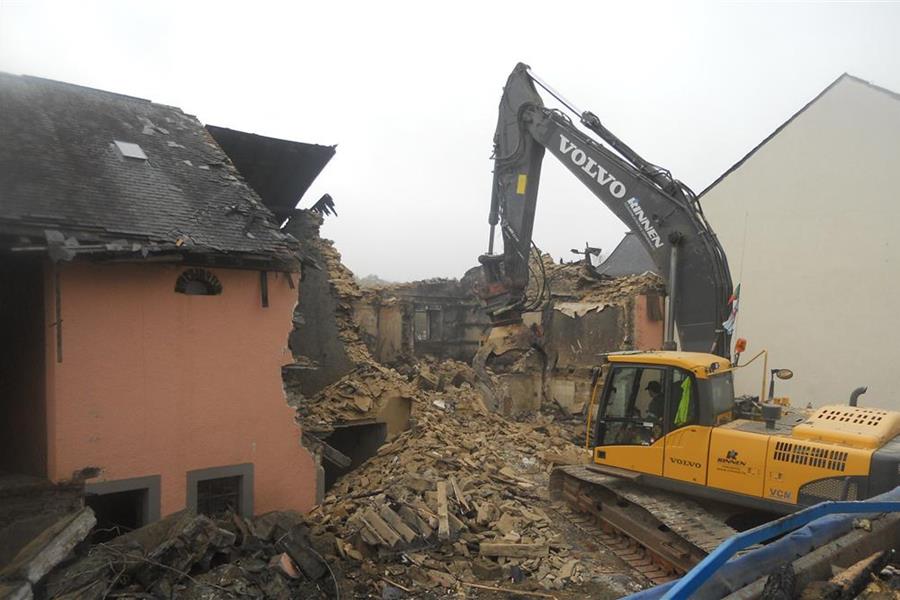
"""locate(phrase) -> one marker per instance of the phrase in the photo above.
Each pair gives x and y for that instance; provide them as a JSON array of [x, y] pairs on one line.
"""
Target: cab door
[[686, 442], [626, 434]]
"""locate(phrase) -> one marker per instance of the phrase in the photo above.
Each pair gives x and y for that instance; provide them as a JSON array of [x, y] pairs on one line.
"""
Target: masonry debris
[[446, 494], [455, 499], [182, 556]]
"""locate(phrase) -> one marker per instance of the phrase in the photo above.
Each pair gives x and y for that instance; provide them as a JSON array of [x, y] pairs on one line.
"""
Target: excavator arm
[[661, 210]]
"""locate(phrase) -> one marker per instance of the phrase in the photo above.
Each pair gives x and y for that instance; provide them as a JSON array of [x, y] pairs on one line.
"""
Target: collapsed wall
[[347, 403], [585, 317], [434, 317], [323, 353]]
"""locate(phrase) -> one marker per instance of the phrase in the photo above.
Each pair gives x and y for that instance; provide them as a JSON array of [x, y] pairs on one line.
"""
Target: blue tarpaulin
[[746, 569]]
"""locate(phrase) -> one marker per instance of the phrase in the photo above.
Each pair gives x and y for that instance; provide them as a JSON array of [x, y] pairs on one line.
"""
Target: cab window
[[721, 393], [633, 396]]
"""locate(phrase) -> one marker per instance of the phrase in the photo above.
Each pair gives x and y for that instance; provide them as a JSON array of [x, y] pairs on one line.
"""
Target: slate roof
[[61, 171], [629, 258]]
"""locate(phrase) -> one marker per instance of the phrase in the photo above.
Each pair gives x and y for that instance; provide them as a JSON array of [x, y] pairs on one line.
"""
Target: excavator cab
[[656, 411]]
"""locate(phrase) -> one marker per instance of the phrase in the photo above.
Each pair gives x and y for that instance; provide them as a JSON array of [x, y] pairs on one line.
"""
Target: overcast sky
[[409, 93]]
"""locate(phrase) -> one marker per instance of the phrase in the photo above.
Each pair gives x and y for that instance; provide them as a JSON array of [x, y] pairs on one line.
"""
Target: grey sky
[[409, 93]]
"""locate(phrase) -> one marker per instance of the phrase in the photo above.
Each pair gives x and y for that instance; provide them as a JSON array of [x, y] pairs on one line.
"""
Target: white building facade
[[809, 220]]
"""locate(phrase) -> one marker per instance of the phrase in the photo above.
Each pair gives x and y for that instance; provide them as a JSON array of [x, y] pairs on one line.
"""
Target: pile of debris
[[182, 556], [458, 501], [355, 397], [452, 501], [574, 281]]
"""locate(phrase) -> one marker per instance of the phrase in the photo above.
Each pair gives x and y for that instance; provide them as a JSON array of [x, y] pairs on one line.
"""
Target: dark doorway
[[117, 513], [23, 412], [359, 442]]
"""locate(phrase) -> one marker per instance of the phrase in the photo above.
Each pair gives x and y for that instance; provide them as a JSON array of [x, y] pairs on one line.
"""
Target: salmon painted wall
[[154, 382]]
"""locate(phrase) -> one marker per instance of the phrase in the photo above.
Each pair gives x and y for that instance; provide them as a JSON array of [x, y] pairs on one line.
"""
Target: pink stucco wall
[[155, 382]]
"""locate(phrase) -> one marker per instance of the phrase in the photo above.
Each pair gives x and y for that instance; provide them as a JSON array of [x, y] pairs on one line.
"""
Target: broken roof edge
[[273, 139], [791, 119], [280, 171], [67, 244]]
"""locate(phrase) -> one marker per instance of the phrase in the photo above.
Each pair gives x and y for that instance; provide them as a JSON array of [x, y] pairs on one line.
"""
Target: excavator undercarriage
[[659, 534]]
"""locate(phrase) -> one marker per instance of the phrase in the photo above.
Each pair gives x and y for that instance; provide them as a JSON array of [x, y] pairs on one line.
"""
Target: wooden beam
[[264, 288], [380, 528], [394, 520], [443, 519], [458, 493]]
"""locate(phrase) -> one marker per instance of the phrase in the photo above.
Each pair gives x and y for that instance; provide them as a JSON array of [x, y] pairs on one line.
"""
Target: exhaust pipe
[[854, 396]]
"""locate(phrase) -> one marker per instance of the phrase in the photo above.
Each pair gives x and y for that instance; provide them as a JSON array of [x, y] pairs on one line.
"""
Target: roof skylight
[[130, 150]]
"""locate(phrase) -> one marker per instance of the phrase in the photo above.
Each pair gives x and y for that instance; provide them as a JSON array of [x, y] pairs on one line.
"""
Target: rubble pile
[[884, 586], [454, 500], [354, 397], [184, 556], [572, 281], [457, 501]]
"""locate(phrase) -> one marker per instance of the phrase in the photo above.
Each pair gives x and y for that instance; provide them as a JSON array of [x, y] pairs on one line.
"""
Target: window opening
[[420, 325], [634, 407], [359, 442], [117, 513], [721, 391]]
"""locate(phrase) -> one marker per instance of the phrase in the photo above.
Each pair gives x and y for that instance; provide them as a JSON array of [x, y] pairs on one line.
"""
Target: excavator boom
[[663, 212], [663, 427]]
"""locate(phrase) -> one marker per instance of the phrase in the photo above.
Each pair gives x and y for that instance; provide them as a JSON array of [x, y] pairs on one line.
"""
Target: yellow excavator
[[672, 450]]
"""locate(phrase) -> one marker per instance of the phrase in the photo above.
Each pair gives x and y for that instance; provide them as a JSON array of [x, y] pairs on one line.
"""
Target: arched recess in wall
[[198, 282]]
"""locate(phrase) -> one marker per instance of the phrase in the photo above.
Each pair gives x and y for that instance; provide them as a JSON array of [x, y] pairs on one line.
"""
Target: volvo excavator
[[663, 428]]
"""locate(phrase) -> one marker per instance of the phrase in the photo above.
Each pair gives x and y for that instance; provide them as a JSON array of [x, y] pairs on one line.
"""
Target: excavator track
[[659, 534]]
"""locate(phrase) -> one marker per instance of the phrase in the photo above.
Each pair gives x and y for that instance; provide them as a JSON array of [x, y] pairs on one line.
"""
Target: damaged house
[[146, 297], [435, 317]]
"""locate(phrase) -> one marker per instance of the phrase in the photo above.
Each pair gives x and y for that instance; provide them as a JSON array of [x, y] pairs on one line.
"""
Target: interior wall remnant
[[395, 414], [391, 343], [359, 442], [577, 341], [648, 322], [382, 328], [316, 335], [436, 317], [23, 408]]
